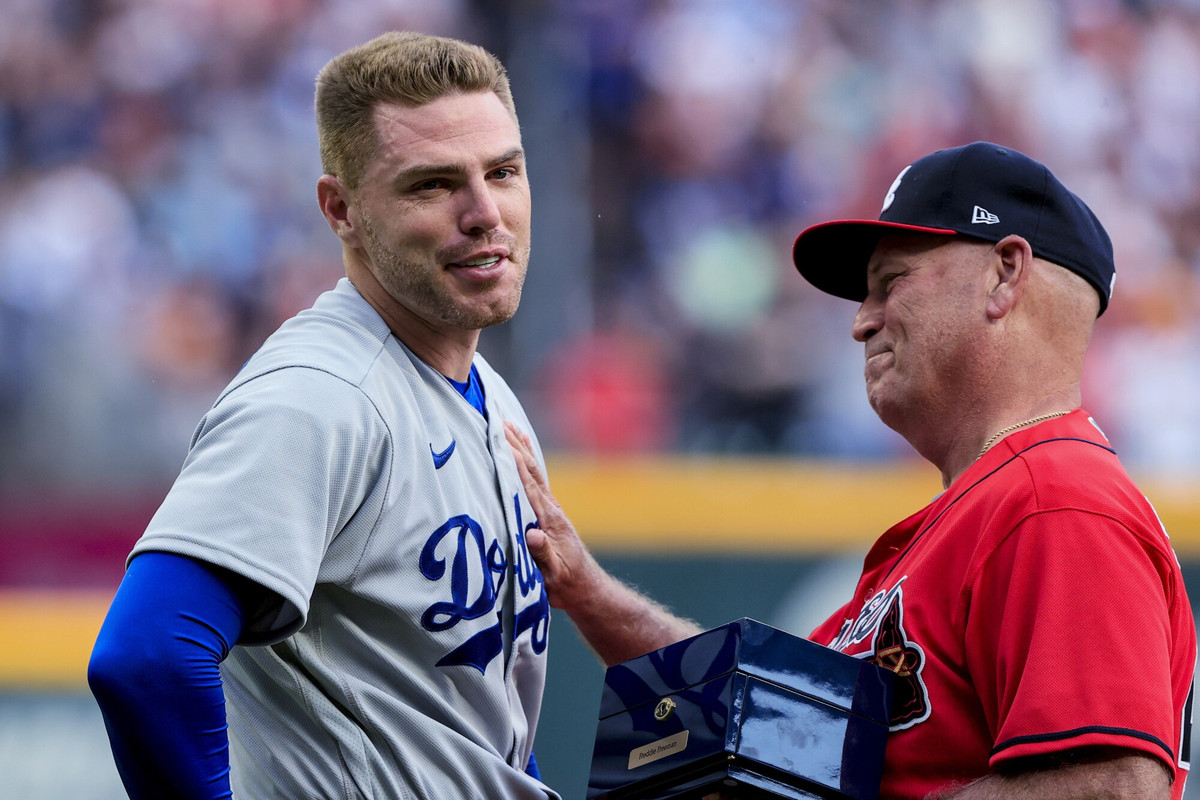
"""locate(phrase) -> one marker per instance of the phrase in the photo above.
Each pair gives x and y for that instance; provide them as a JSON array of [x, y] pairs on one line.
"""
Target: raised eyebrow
[[515, 154], [417, 173]]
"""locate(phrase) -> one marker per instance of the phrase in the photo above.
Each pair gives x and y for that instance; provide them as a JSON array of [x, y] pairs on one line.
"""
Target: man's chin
[[488, 316], [889, 413]]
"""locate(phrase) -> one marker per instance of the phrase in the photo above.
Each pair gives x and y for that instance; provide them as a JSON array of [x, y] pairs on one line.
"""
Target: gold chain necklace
[[995, 436]]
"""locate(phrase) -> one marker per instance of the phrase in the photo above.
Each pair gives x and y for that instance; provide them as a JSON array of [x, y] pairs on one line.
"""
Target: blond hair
[[410, 69]]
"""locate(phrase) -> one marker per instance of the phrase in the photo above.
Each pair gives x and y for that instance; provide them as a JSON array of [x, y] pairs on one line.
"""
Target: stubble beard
[[413, 285]]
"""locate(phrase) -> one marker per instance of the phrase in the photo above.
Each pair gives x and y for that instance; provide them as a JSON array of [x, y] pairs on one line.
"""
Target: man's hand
[[615, 620], [567, 567]]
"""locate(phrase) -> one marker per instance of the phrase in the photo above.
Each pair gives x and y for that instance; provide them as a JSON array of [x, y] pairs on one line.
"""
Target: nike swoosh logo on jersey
[[440, 459]]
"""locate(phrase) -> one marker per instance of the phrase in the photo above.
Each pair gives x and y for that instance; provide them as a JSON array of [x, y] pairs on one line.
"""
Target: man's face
[[443, 212], [918, 324]]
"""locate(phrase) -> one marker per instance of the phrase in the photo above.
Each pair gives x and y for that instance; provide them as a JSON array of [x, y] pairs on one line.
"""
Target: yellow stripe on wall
[[633, 505], [785, 505], [46, 636], [761, 505]]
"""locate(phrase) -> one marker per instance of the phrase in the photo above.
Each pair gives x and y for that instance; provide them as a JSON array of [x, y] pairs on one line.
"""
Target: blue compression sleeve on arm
[[155, 674]]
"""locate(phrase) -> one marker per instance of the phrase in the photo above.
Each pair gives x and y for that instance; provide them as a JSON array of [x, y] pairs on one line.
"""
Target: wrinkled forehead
[[908, 251], [905, 246]]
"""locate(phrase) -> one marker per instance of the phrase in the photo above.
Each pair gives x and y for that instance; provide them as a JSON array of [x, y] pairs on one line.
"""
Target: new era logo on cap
[[984, 216], [1007, 192]]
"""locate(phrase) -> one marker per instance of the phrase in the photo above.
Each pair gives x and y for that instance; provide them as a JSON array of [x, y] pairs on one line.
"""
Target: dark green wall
[[711, 590]]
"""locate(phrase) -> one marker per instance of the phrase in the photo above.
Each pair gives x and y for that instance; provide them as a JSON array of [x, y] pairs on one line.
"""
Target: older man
[[1034, 613]]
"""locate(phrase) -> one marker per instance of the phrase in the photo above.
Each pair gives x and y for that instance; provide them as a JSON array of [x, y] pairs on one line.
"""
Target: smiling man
[[340, 569], [1033, 613]]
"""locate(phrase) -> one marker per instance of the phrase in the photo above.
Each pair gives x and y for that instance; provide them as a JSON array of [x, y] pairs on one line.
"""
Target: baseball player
[[340, 569], [1034, 614]]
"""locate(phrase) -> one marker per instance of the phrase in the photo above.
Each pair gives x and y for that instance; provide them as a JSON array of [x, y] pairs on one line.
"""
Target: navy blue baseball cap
[[981, 190]]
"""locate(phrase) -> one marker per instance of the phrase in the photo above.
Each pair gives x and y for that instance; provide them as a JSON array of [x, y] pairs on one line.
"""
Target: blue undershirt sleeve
[[532, 767], [154, 672]]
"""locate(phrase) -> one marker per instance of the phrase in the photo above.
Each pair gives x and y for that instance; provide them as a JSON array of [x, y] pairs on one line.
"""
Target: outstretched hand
[[614, 619], [563, 559]]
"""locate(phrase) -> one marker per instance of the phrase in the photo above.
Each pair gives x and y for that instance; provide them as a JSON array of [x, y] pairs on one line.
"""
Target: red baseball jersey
[[1033, 607]]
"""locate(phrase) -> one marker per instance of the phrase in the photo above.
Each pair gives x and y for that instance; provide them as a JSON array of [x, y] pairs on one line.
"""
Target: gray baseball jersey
[[406, 657]]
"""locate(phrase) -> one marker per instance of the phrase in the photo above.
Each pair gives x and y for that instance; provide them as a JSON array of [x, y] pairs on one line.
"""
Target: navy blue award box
[[745, 712]]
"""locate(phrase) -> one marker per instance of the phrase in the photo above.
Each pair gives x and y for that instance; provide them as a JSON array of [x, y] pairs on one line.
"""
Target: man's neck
[[986, 435], [450, 353]]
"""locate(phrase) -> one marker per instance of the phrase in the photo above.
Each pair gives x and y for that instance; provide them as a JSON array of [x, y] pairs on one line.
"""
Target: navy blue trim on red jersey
[[1054, 737], [967, 491]]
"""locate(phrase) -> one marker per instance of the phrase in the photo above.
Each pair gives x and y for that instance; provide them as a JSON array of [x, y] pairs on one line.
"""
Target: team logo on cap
[[891, 193], [982, 215]]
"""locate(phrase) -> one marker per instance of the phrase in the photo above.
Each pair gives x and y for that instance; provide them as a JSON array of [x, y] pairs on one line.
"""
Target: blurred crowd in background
[[158, 218]]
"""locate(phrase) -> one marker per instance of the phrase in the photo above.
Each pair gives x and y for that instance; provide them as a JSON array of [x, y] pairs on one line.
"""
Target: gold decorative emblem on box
[[664, 709]]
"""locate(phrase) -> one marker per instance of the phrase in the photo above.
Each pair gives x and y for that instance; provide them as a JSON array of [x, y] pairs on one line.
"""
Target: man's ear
[[333, 197], [1012, 264]]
